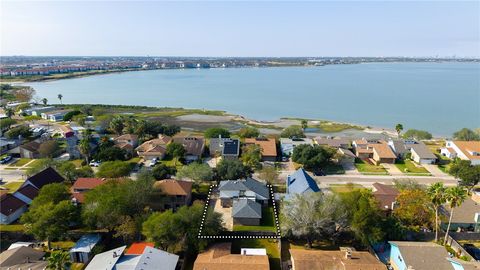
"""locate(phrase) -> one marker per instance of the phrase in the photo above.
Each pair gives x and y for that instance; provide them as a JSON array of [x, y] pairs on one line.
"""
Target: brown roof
[[29, 191], [219, 257], [467, 147], [126, 137], [87, 183], [334, 260], [158, 145], [193, 145], [9, 204], [268, 145], [31, 146], [332, 142], [385, 195], [174, 187], [383, 150]]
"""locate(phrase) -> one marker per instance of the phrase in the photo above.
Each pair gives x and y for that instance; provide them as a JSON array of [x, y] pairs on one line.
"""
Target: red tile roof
[[174, 187], [87, 183], [138, 248]]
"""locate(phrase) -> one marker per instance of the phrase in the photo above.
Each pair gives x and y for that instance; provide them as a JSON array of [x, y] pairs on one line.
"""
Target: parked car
[[94, 163], [6, 159], [153, 162]]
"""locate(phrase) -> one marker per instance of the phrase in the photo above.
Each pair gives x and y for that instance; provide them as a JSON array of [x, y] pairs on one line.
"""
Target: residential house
[[246, 197], [45, 177], [6, 145], [219, 257], [11, 208], [268, 146], [138, 248], [54, 116], [175, 194], [26, 193], [466, 217], [465, 150], [82, 252], [155, 148], [347, 158], [300, 182], [386, 195], [82, 186], [333, 142], [150, 259], [30, 150], [287, 145], [37, 111], [377, 151], [464, 265], [399, 148], [418, 255], [194, 147], [22, 258], [127, 142], [225, 147], [343, 259], [421, 154]]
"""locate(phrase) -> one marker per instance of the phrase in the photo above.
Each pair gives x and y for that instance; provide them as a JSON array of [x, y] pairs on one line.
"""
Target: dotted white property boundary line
[[205, 210]]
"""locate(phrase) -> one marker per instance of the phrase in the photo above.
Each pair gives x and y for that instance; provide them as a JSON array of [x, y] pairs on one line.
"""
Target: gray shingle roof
[[422, 151], [423, 255], [226, 146], [245, 208], [244, 185]]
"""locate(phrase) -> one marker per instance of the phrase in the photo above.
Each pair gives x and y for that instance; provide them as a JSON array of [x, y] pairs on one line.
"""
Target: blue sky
[[392, 28]]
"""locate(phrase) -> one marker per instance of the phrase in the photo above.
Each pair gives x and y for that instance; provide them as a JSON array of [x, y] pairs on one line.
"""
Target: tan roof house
[[127, 142], [155, 148], [219, 257], [174, 194], [465, 150], [268, 146], [386, 195], [344, 259]]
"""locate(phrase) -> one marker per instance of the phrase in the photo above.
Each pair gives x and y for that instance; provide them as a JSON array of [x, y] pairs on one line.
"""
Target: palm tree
[[44, 101], [59, 260], [60, 96], [117, 125], [436, 192], [84, 146], [455, 196], [8, 112], [304, 124], [399, 128]]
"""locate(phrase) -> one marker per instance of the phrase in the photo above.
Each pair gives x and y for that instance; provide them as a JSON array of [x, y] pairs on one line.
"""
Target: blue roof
[[301, 182]]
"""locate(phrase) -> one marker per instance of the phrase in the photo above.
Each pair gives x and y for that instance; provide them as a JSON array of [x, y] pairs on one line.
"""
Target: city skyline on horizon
[[241, 29]]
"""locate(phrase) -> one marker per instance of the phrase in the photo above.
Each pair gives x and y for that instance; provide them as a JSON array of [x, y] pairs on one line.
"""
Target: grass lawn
[[267, 223], [34, 162], [407, 166], [174, 162], [77, 162], [366, 168], [135, 160], [20, 162], [12, 228], [333, 169], [341, 188], [271, 245], [65, 245], [12, 186]]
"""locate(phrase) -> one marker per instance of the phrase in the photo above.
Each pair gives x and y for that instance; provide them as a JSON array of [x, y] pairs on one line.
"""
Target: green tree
[[173, 230], [9, 112], [162, 171], [312, 157], [216, 132], [49, 149], [117, 125], [417, 134], [269, 174], [231, 169], [59, 260], [49, 221], [111, 153], [292, 132], [32, 118], [436, 192], [455, 196], [85, 148], [468, 174], [19, 131], [248, 132], [252, 156], [414, 209], [399, 129], [6, 123], [196, 171], [407, 184], [176, 151], [114, 169], [60, 96], [51, 193], [69, 116], [44, 101], [466, 134], [304, 124]]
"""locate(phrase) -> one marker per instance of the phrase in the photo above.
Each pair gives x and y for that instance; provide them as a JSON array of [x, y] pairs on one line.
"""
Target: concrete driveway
[[391, 169], [434, 170], [225, 212]]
